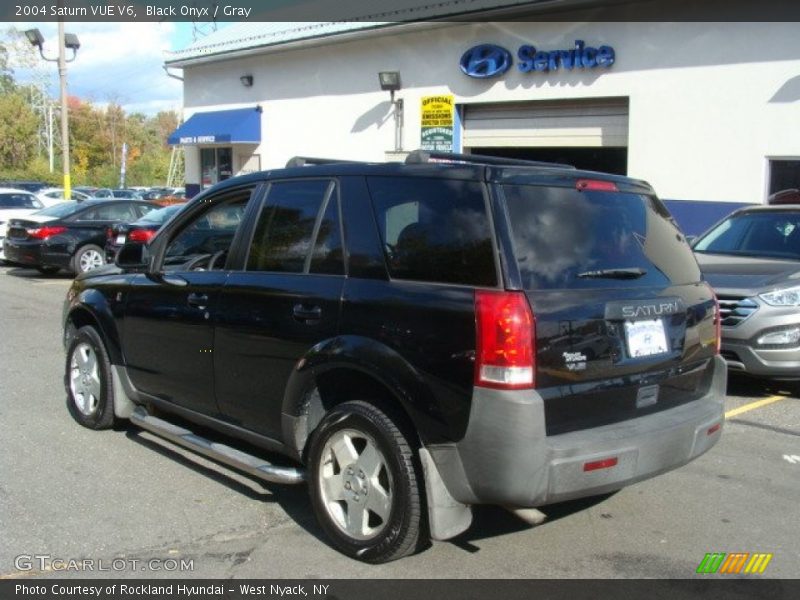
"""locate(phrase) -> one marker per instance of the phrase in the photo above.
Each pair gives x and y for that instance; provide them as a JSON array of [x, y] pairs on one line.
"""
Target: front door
[[168, 331]]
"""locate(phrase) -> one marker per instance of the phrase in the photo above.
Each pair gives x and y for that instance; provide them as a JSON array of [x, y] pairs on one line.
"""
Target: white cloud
[[117, 62]]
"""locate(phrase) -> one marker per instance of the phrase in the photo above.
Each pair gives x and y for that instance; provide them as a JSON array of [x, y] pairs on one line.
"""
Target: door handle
[[306, 313], [197, 300]]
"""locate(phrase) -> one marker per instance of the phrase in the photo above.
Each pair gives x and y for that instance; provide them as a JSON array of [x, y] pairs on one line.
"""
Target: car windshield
[[159, 216], [62, 209], [769, 234]]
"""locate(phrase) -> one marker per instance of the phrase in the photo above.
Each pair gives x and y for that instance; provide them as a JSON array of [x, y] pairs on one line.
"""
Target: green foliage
[[96, 136], [18, 130]]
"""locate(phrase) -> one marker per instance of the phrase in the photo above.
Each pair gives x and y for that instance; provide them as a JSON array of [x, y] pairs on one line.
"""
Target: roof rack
[[424, 156], [301, 161]]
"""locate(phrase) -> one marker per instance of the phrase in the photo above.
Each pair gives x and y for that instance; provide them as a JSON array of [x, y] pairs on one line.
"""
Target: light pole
[[68, 40]]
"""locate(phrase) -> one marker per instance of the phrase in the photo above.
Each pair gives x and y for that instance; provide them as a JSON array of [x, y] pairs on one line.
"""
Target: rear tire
[[364, 483], [88, 258], [87, 378]]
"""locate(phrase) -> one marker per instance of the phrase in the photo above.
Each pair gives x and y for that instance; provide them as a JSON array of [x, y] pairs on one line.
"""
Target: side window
[[290, 223], [205, 241], [112, 212], [434, 230], [19, 201]]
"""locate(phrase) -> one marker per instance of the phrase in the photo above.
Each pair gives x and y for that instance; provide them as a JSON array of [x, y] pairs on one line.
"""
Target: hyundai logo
[[485, 60]]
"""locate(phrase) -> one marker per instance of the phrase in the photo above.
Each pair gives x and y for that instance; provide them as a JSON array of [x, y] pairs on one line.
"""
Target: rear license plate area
[[646, 338]]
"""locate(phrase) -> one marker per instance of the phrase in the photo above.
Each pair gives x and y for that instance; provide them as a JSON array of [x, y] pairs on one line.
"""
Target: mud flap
[[446, 516]]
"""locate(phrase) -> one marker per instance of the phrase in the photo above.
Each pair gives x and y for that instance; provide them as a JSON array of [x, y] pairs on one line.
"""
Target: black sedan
[[69, 235], [141, 230]]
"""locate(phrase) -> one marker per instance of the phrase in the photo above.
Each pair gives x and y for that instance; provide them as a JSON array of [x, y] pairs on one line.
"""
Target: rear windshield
[[61, 209], [564, 238]]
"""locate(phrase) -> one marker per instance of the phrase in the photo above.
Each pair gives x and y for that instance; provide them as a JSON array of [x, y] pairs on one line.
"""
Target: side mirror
[[132, 255]]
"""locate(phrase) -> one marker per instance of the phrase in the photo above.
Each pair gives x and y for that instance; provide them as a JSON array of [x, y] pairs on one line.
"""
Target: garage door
[[598, 122]]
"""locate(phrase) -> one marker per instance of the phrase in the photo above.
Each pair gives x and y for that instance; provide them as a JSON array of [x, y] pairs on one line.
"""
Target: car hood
[[744, 275]]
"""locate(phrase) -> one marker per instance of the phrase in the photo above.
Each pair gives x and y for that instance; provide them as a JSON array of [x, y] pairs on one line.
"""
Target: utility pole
[[68, 40], [62, 77]]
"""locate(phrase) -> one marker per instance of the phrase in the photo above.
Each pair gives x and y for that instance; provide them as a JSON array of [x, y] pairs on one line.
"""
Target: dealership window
[[784, 175], [216, 164]]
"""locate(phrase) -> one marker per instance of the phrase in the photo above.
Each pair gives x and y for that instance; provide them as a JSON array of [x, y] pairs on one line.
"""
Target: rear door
[[285, 301], [624, 326]]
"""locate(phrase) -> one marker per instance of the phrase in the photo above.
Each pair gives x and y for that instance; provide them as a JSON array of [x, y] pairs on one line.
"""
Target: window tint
[[19, 201], [110, 212], [210, 234], [561, 235], [768, 234], [285, 229], [434, 230]]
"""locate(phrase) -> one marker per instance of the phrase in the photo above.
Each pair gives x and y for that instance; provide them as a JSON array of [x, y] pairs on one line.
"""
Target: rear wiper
[[632, 273]]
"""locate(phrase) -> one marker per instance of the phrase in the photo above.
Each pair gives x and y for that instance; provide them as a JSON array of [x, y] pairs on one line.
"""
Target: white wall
[[708, 102]]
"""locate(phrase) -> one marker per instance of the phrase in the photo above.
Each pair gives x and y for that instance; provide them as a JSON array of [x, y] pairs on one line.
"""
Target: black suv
[[413, 339]]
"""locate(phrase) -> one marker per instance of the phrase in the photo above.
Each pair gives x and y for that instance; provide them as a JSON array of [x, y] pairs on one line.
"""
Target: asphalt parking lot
[[71, 493]]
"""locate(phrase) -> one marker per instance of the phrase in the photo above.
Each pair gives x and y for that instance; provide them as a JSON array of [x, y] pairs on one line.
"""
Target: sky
[[117, 62]]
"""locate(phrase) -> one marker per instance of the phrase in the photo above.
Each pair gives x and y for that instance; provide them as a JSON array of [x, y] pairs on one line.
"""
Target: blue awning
[[236, 126]]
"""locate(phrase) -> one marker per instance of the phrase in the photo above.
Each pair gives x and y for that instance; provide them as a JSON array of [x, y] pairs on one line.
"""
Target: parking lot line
[[753, 405]]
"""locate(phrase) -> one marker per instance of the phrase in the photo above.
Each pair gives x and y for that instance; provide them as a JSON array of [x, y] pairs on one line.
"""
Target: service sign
[[437, 123], [485, 61]]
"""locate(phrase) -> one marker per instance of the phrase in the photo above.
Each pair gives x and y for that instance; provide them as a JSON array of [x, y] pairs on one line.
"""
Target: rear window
[[566, 239], [61, 209], [434, 230]]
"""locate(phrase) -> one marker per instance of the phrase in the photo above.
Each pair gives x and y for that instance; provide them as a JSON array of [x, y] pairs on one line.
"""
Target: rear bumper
[[22, 252], [506, 458]]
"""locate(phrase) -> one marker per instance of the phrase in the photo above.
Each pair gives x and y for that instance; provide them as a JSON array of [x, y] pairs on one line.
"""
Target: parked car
[[103, 193], [174, 197], [28, 186], [51, 196], [126, 194], [141, 230], [378, 326], [15, 203], [70, 235], [752, 260]]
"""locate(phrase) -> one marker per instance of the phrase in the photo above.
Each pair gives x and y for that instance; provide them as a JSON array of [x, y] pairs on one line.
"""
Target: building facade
[[703, 111]]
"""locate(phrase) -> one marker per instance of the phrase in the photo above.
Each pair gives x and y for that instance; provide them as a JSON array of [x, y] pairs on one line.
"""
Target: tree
[[18, 130]]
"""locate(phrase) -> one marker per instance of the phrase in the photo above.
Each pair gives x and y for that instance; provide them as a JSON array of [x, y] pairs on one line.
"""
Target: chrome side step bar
[[219, 452]]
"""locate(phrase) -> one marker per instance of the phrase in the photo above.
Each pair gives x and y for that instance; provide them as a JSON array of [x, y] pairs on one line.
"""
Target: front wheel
[[90, 396], [364, 483]]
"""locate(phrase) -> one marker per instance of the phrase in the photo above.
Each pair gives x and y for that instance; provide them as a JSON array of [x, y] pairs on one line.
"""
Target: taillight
[[141, 235], [717, 321], [505, 328], [42, 233], [109, 233], [596, 185]]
